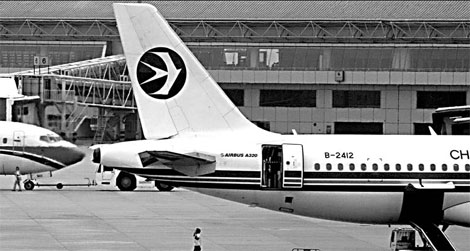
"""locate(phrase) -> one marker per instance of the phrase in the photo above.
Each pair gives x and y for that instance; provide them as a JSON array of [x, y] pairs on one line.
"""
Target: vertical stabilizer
[[173, 91]]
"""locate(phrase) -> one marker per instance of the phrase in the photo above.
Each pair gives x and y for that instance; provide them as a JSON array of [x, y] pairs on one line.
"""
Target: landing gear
[[29, 185], [163, 187], [126, 181]]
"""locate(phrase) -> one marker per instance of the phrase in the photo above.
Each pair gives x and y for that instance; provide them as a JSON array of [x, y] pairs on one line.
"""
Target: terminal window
[[351, 58], [422, 128], [263, 125], [436, 99], [21, 55], [237, 96], [356, 99], [358, 128], [287, 98]]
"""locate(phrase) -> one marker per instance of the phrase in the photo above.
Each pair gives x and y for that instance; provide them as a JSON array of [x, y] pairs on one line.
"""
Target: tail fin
[[173, 91]]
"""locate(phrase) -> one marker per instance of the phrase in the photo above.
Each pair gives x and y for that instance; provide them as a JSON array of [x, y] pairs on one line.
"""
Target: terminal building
[[322, 67]]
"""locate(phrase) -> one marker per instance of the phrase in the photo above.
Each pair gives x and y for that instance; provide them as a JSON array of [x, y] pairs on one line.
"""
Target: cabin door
[[293, 166], [282, 166], [272, 166]]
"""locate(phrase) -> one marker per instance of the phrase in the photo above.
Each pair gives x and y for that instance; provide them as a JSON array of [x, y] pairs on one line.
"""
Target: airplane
[[34, 150], [196, 138]]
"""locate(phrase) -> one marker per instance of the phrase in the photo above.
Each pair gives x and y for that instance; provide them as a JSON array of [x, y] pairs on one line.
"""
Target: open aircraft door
[[293, 166]]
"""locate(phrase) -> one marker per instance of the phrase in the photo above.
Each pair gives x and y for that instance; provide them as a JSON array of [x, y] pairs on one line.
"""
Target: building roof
[[249, 10]]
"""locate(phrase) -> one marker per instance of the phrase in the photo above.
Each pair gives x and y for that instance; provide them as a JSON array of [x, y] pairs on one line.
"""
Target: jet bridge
[[453, 120], [96, 92]]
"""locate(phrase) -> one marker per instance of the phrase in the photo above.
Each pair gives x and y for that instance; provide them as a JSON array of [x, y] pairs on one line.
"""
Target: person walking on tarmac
[[17, 180], [197, 239]]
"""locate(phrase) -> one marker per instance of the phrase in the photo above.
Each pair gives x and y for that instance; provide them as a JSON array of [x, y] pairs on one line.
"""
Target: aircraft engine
[[116, 155]]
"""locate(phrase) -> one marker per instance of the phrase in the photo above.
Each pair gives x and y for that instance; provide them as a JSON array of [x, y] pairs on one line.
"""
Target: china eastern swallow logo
[[161, 73]]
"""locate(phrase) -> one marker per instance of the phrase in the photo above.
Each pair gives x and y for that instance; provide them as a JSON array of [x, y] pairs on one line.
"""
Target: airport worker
[[197, 239], [17, 179]]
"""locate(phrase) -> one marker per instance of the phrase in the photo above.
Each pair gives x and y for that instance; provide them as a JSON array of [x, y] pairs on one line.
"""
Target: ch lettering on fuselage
[[460, 154]]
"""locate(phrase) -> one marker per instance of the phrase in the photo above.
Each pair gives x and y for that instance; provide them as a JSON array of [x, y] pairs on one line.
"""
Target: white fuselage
[[337, 177], [33, 149]]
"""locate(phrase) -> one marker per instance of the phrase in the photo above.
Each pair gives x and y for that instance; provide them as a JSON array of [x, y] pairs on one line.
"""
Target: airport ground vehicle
[[404, 239], [106, 176]]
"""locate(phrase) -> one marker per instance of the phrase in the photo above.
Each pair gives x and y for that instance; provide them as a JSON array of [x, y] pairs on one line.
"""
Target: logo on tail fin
[[161, 73]]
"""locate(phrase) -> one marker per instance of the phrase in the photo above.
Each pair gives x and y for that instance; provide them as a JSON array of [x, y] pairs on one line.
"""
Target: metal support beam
[[251, 31]]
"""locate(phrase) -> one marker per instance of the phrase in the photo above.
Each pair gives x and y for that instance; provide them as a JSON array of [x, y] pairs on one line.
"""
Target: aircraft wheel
[[126, 182], [28, 185], [163, 187]]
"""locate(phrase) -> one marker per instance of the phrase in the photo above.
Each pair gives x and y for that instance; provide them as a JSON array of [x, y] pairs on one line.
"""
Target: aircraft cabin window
[[340, 166], [421, 167], [398, 167], [328, 167], [444, 167], [386, 167], [5, 140], [456, 167], [50, 138], [54, 138], [317, 166], [375, 167], [351, 167], [57, 138], [410, 167], [467, 167], [433, 167], [363, 167]]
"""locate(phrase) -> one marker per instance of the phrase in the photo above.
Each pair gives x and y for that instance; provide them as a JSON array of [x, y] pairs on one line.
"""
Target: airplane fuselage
[[333, 177], [202, 141], [34, 149]]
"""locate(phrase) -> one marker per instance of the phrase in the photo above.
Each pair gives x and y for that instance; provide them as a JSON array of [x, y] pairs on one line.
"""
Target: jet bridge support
[[434, 236], [114, 125]]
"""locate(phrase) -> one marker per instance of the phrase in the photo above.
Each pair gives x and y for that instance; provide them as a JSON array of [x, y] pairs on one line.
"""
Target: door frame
[[18, 139], [292, 166], [278, 170]]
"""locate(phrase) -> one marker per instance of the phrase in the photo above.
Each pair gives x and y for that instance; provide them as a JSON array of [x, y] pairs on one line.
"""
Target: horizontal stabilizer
[[192, 164]]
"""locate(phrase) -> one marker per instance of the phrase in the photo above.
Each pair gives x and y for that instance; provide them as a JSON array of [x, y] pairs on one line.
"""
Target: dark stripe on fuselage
[[386, 175], [314, 175], [246, 180], [317, 188], [55, 157]]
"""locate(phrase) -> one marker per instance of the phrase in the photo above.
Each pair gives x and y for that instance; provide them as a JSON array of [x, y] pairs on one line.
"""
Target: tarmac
[[103, 218]]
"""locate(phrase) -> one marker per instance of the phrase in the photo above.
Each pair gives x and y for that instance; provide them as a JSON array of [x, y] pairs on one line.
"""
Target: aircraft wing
[[192, 164]]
